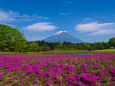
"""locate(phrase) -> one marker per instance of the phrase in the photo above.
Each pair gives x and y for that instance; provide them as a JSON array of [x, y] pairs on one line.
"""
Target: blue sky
[[88, 20]]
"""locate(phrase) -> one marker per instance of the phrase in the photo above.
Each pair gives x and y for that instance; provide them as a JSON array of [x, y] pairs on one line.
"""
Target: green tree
[[11, 39], [98, 46], [33, 47], [45, 48], [106, 45], [112, 42], [58, 46]]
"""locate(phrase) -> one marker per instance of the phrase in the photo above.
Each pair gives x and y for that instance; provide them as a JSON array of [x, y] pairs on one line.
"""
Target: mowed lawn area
[[83, 51]]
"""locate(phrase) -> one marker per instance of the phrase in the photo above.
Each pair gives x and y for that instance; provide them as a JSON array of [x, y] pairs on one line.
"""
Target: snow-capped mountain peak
[[60, 32], [62, 36]]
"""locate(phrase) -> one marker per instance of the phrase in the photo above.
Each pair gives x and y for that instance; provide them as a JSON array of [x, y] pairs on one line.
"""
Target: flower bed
[[25, 69]]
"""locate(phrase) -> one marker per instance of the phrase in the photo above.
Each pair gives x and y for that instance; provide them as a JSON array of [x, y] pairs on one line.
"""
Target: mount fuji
[[62, 36]]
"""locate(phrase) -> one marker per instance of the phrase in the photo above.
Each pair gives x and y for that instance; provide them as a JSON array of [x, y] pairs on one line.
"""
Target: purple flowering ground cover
[[32, 69]]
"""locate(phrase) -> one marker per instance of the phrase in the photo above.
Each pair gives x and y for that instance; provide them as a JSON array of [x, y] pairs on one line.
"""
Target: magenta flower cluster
[[32, 69]]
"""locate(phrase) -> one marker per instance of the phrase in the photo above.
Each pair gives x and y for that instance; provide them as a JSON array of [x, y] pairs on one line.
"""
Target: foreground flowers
[[23, 69]]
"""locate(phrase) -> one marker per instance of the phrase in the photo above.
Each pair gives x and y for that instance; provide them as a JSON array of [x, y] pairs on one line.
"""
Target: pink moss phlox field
[[32, 69]]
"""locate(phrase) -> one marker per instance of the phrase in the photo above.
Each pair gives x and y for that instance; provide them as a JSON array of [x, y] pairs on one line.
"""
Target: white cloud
[[45, 26], [96, 28], [104, 32], [93, 26], [6, 16], [9, 16]]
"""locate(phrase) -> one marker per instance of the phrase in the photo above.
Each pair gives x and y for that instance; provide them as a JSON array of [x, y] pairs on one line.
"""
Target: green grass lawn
[[76, 51], [84, 51], [107, 50]]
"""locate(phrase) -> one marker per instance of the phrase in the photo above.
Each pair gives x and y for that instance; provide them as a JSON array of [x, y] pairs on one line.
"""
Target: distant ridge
[[62, 36]]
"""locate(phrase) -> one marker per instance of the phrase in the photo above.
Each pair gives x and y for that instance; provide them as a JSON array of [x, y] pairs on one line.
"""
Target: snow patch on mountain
[[60, 32]]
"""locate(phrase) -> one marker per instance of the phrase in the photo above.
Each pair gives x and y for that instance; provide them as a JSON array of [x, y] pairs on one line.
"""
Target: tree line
[[12, 40]]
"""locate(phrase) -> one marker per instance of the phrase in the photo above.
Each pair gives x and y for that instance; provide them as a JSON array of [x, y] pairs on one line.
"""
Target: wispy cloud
[[64, 13], [44, 26], [87, 20], [34, 38], [11, 16], [96, 28], [6, 16], [103, 32], [67, 2]]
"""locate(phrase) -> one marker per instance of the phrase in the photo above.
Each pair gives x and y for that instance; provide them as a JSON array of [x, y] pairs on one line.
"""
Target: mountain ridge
[[62, 36]]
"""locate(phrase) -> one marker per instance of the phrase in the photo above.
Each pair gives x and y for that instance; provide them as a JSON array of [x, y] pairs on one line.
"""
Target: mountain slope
[[62, 36]]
